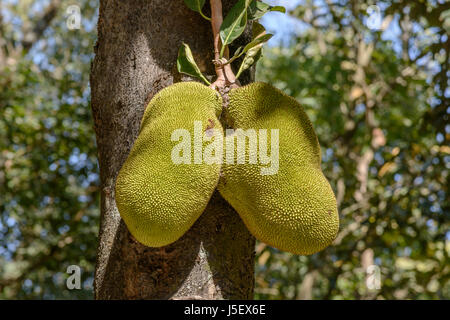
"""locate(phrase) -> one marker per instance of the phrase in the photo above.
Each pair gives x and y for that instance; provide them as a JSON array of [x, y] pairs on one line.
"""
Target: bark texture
[[136, 54]]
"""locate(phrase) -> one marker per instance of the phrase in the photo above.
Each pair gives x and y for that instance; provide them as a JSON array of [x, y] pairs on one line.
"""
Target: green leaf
[[258, 41], [259, 37], [234, 24], [238, 52], [257, 29], [258, 55], [197, 6], [257, 9], [186, 63], [253, 50]]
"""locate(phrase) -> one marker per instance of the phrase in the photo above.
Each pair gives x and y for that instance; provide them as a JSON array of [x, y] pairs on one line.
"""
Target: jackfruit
[[158, 198], [293, 209]]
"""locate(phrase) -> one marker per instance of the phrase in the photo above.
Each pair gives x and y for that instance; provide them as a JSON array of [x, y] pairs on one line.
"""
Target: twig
[[225, 75], [32, 36]]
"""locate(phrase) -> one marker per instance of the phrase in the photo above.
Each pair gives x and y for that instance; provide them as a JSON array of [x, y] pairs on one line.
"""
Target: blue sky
[[282, 25]]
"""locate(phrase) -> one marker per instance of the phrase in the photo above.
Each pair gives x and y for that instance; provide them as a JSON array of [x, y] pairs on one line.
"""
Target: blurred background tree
[[48, 163], [373, 77]]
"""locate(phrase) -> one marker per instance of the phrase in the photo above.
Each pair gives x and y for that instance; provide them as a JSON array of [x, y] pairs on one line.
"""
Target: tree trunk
[[136, 54]]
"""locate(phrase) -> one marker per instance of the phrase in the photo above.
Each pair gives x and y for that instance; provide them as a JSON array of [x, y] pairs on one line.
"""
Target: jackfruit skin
[[294, 210], [159, 200]]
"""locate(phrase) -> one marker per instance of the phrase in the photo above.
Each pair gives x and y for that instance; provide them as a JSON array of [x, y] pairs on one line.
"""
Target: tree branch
[[32, 36], [225, 75]]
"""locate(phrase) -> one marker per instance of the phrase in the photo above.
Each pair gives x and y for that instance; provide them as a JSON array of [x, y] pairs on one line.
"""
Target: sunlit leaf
[[253, 49], [234, 24], [257, 9]]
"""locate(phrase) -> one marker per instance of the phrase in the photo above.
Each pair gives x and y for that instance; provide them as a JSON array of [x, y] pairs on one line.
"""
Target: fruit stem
[[225, 75]]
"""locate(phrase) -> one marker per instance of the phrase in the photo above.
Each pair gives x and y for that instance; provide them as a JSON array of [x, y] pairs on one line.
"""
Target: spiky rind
[[295, 209], [158, 199]]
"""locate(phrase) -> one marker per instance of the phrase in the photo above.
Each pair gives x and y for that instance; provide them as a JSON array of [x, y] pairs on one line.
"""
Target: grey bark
[[135, 58]]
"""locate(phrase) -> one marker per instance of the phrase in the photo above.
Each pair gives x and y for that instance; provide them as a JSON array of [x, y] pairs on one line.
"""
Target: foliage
[[232, 28], [187, 65], [374, 109], [48, 164]]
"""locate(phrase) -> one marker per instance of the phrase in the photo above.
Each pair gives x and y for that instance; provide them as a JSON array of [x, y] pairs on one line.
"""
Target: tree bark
[[135, 58]]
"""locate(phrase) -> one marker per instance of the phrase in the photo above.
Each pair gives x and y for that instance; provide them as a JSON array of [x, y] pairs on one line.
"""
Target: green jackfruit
[[293, 209], [158, 199]]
